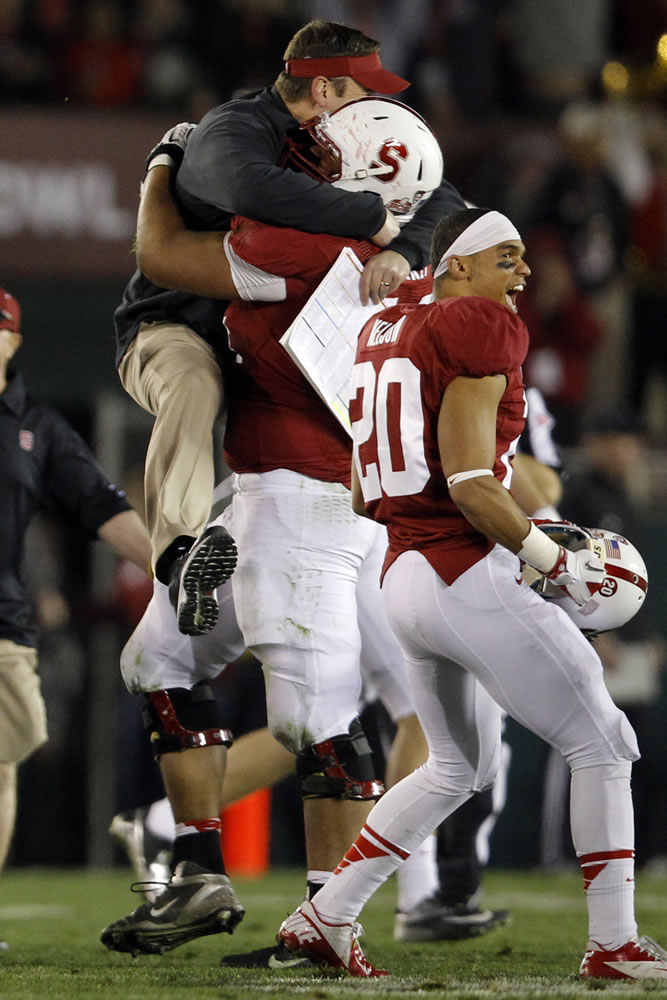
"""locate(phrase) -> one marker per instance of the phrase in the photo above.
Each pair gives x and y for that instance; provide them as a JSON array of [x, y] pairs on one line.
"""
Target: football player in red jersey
[[437, 408], [302, 549], [170, 344]]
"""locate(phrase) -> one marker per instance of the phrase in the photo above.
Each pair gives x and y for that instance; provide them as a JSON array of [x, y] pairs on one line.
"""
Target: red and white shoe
[[640, 958], [336, 945]]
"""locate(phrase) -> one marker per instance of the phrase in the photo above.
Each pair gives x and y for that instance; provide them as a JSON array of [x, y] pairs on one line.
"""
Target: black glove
[[171, 147]]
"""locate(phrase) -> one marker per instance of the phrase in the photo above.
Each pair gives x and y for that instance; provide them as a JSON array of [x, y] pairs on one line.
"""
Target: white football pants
[[158, 656]]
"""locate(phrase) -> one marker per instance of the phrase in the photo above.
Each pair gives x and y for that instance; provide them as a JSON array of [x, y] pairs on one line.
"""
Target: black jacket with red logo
[[44, 465]]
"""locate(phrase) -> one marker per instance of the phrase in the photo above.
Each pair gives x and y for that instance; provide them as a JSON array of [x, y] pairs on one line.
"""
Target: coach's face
[[351, 92], [9, 345]]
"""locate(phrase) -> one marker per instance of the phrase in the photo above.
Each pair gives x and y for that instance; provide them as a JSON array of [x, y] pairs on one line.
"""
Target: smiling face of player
[[500, 273]]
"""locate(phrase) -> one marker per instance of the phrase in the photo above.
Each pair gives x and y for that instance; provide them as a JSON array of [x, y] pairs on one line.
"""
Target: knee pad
[[339, 768], [180, 719]]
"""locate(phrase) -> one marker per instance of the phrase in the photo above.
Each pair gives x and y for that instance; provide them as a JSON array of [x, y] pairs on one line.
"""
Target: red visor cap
[[366, 70]]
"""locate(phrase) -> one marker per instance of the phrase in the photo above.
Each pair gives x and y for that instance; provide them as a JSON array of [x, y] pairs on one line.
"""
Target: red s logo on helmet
[[391, 152]]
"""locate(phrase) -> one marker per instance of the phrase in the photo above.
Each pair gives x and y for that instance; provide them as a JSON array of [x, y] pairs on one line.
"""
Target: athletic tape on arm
[[538, 550], [460, 477]]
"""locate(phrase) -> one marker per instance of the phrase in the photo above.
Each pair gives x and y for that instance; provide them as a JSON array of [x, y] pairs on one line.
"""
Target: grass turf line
[[52, 919]]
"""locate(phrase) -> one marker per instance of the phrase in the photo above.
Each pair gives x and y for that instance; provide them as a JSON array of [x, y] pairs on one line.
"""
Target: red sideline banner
[[69, 190]]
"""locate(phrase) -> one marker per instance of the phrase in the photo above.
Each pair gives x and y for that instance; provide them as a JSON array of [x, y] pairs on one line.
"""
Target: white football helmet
[[623, 589], [372, 144]]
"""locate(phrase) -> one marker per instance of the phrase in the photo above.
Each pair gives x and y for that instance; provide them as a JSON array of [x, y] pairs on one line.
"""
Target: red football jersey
[[276, 419], [406, 358]]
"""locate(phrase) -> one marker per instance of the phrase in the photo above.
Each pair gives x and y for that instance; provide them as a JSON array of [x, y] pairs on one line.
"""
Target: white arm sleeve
[[252, 284]]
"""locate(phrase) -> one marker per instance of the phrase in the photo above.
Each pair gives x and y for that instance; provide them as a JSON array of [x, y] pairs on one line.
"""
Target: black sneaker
[[431, 920], [150, 856], [276, 957], [207, 565], [193, 904]]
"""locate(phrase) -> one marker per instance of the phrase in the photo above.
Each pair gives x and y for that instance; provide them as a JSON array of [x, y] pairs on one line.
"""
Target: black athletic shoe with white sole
[[431, 920], [193, 904], [274, 957], [207, 565]]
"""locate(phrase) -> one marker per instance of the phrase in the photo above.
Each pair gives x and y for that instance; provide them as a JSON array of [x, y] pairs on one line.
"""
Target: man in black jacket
[[170, 345], [45, 464]]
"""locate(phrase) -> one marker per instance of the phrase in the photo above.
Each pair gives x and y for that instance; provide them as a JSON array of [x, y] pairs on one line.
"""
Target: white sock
[[609, 885], [194, 826], [417, 876], [602, 823], [397, 825]]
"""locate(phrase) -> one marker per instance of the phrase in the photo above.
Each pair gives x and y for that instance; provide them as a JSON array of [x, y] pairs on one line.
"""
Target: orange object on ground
[[246, 834]]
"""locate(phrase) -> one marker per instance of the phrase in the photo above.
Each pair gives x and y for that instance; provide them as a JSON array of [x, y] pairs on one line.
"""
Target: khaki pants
[[22, 711], [171, 372]]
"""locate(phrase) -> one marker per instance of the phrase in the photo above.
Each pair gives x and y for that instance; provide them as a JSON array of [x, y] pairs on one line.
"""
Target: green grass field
[[52, 919]]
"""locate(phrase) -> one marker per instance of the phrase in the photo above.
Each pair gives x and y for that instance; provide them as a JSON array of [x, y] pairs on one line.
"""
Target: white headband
[[485, 232]]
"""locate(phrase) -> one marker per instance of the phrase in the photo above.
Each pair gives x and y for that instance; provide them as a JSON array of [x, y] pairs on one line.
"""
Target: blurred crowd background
[[552, 112]]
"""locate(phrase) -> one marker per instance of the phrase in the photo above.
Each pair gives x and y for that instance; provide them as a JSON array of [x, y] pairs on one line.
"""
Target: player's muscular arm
[[466, 437], [467, 440], [171, 255]]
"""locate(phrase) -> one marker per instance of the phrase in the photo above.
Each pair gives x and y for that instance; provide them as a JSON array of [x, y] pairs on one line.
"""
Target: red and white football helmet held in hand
[[623, 585], [578, 575], [371, 144]]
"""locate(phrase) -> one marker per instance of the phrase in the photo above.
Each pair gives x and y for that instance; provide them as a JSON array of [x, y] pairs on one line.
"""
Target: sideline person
[[45, 465]]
